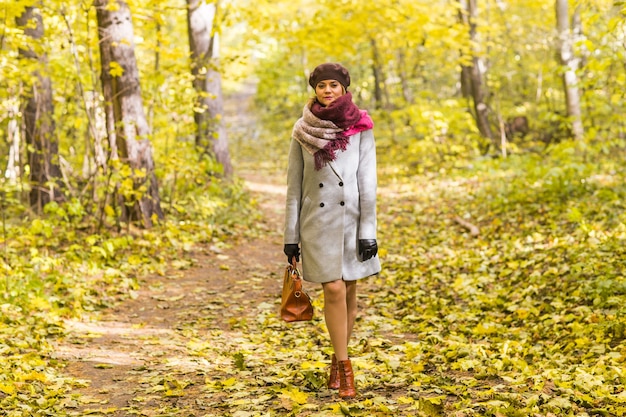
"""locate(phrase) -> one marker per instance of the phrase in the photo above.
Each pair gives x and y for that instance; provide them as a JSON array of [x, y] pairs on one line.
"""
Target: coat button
[[341, 183], [321, 185], [321, 204], [342, 203]]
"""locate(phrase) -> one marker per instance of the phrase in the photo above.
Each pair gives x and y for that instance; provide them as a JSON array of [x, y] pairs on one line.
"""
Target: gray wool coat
[[329, 210]]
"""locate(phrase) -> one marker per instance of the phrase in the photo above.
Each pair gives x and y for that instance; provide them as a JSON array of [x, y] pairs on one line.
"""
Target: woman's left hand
[[368, 248]]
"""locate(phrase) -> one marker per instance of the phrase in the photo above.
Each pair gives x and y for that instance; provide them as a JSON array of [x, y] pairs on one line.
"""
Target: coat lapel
[[332, 166]]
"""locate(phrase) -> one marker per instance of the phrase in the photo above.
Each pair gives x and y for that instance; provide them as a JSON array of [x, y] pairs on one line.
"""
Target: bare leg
[[351, 305], [336, 315]]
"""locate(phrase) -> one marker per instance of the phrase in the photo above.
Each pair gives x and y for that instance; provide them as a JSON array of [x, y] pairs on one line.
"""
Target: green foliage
[[423, 138]]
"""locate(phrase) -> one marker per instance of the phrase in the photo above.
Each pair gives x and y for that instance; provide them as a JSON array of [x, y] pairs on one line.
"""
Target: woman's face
[[328, 91]]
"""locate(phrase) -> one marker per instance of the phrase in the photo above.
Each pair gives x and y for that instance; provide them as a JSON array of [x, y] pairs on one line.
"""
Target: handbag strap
[[296, 278]]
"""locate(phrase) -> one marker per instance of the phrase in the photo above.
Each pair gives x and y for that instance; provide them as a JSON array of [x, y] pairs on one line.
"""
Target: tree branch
[[473, 229]]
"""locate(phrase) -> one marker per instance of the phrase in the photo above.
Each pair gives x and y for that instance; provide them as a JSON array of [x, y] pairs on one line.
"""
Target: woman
[[331, 206]]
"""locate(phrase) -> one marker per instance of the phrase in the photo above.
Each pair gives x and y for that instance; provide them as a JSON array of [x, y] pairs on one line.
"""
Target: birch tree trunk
[[38, 114], [127, 127], [407, 94], [14, 168], [472, 76], [207, 81], [570, 63]]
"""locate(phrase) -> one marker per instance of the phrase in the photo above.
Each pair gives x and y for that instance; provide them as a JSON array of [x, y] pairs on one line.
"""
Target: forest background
[[499, 124]]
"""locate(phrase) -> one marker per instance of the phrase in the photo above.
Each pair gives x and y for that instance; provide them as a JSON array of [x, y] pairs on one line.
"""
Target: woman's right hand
[[292, 250], [368, 248]]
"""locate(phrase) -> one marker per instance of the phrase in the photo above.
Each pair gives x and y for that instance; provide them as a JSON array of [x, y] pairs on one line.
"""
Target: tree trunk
[[127, 127], [570, 63], [466, 82], [472, 76], [407, 94], [14, 168], [378, 74], [207, 81], [38, 113]]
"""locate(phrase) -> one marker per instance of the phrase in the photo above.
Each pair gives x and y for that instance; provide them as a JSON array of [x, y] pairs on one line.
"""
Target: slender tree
[[377, 71], [127, 127], [39, 127], [207, 81], [472, 76], [570, 62], [407, 94], [14, 168]]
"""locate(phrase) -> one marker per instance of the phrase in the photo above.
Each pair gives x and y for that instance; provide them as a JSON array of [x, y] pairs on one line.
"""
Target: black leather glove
[[368, 248], [292, 250]]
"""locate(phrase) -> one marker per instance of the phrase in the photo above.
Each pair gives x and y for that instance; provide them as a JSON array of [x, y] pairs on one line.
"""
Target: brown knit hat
[[329, 71]]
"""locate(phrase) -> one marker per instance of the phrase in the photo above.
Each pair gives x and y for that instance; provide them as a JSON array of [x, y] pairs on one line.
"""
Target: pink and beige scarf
[[322, 131]]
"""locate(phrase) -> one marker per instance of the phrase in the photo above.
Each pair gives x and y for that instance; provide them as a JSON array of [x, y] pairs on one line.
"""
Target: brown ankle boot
[[346, 379], [333, 379]]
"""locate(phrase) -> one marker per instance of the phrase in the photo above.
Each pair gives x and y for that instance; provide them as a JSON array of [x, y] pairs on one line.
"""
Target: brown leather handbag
[[296, 303]]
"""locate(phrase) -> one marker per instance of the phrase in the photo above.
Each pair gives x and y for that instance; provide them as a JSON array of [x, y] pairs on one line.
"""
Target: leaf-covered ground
[[503, 293], [527, 318], [207, 341]]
